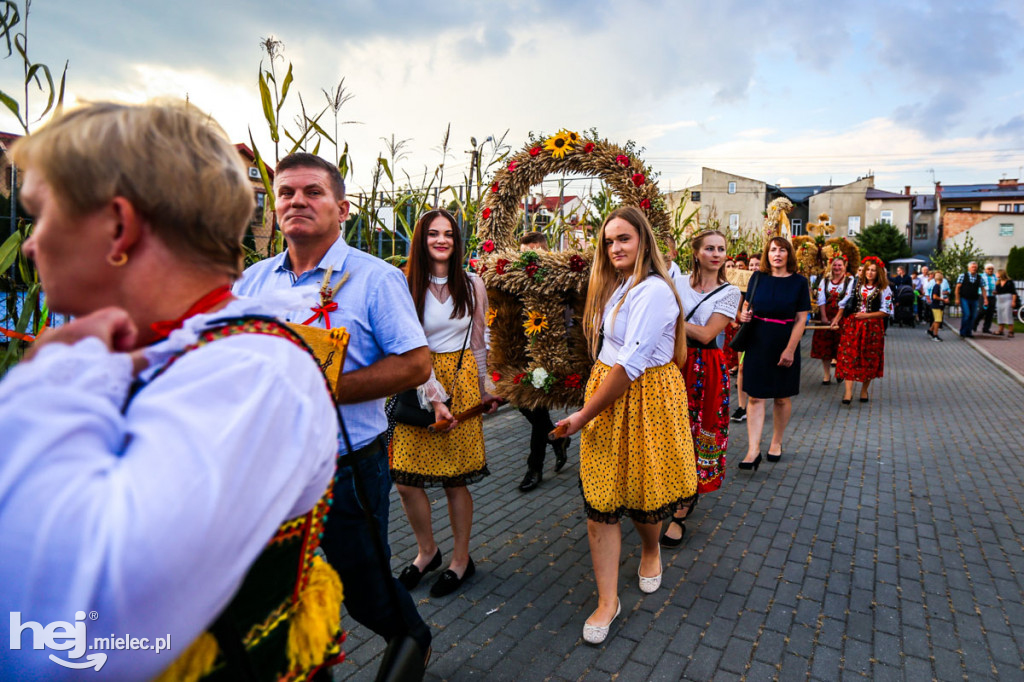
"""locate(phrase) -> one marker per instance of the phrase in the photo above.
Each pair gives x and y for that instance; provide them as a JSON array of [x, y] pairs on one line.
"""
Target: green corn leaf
[[264, 175], [60, 95], [268, 108], [284, 87], [35, 68], [387, 169], [344, 162], [9, 251], [12, 105], [14, 346]]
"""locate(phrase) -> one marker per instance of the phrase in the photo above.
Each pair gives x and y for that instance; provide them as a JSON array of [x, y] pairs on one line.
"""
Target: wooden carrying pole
[[474, 411]]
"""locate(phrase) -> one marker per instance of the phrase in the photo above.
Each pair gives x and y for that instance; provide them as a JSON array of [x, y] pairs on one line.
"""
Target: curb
[[1016, 376]]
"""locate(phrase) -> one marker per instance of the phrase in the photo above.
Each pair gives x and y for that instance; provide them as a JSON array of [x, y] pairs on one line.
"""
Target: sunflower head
[[572, 136], [535, 323], [558, 145]]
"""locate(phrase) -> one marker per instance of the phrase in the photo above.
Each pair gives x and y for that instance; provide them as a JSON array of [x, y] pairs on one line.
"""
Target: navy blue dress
[[775, 298]]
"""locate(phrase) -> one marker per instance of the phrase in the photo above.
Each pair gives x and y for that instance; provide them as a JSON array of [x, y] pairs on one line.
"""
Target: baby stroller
[[904, 313]]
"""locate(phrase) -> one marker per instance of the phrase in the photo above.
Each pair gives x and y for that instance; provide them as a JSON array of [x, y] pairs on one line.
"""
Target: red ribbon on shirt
[[323, 310], [163, 328]]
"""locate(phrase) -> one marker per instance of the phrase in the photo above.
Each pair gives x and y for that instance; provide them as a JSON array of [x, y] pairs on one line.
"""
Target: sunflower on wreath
[[560, 144], [535, 323]]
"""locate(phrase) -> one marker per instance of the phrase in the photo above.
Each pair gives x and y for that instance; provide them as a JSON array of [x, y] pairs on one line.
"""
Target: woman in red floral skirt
[[833, 293], [709, 303], [862, 346]]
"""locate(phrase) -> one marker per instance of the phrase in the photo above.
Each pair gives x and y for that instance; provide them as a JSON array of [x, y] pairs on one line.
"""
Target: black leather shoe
[[666, 541], [773, 458], [531, 480], [410, 576], [448, 582], [561, 447]]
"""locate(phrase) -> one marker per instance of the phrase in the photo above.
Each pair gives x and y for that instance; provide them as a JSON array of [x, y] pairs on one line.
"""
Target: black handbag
[[408, 410], [745, 334]]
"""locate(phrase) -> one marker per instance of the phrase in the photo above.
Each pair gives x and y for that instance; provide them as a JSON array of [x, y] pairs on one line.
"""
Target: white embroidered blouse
[[643, 333]]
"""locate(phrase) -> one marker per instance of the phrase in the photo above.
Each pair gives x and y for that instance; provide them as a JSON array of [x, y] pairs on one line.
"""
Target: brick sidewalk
[[1008, 351], [885, 545]]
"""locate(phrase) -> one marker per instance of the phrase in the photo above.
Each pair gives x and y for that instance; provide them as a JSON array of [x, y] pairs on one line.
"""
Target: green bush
[[953, 259]]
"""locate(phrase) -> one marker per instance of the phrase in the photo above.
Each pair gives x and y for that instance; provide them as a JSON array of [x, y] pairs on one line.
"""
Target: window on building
[[920, 230], [734, 221], [1018, 208], [853, 225], [695, 196], [1006, 230], [797, 227], [886, 217], [1004, 208], [732, 188]]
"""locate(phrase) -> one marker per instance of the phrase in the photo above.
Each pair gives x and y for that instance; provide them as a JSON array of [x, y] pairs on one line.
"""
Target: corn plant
[[17, 275]]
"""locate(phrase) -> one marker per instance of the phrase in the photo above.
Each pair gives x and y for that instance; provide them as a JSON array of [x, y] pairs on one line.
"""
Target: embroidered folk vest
[[284, 622]]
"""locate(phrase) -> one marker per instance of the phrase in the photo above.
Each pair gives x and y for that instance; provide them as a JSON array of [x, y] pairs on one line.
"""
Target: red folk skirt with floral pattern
[[825, 343], [707, 397], [861, 350], [732, 358]]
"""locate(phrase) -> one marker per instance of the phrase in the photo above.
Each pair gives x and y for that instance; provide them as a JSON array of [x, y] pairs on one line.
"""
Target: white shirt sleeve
[[151, 518], [849, 292], [653, 311], [886, 301], [822, 293]]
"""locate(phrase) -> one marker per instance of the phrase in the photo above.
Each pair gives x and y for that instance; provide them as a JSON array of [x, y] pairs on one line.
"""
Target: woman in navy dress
[[771, 365]]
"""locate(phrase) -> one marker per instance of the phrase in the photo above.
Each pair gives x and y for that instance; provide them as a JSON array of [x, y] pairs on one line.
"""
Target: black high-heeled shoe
[[411, 576], [751, 465], [773, 458], [847, 401]]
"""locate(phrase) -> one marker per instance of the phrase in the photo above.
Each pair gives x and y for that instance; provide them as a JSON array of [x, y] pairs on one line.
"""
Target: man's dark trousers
[[349, 547], [540, 426]]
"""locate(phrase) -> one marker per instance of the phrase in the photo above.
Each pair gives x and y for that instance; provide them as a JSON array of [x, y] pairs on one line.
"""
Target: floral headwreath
[[838, 256], [873, 259]]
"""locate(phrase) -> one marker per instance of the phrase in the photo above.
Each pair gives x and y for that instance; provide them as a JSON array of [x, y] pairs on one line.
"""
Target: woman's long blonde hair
[[604, 279]]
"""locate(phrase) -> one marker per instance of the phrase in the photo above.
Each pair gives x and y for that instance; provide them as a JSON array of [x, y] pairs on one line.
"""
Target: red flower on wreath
[[576, 263], [486, 213], [495, 377], [519, 377], [487, 246], [499, 267], [512, 166], [589, 147], [622, 159], [494, 188], [645, 204], [534, 151], [573, 381], [638, 179], [531, 269]]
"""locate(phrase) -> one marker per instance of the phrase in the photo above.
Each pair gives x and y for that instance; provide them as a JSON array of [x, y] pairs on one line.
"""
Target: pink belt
[[768, 319]]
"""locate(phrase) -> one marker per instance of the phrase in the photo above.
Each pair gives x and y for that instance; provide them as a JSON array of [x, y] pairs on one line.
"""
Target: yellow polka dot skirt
[[636, 457], [423, 459]]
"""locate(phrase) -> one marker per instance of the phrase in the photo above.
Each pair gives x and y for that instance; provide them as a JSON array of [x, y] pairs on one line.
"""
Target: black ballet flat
[[751, 465], [666, 541], [411, 576], [448, 582], [774, 458]]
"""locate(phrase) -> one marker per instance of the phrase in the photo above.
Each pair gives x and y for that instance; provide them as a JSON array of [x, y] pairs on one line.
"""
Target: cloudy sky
[[800, 92]]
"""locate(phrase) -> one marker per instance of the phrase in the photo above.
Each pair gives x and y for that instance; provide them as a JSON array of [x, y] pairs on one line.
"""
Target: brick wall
[[955, 222]]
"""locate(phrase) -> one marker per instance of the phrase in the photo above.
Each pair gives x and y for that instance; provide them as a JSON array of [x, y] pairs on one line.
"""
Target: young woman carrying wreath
[[452, 306], [710, 304], [636, 452], [862, 347]]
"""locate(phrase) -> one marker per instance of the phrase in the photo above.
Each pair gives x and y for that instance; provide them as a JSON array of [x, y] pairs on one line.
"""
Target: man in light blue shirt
[[387, 353], [988, 312]]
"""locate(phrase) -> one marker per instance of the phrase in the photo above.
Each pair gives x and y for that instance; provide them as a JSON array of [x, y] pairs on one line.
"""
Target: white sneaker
[[596, 634]]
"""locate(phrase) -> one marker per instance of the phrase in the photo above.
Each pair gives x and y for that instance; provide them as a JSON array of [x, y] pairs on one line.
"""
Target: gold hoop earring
[[118, 260]]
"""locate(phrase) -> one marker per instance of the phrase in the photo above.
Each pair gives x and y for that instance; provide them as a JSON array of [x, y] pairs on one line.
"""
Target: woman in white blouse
[[709, 304], [636, 454], [154, 445], [452, 306], [834, 290]]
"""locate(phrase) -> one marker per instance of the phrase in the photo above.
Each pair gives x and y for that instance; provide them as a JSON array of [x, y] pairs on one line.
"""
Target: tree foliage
[[953, 259], [883, 240], [1015, 263]]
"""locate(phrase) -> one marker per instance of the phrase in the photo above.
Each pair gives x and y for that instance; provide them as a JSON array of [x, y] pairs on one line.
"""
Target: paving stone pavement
[[885, 545]]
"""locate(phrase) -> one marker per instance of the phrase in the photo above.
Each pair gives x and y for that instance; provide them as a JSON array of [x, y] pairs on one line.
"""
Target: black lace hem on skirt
[[639, 515], [428, 481]]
